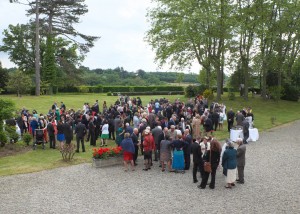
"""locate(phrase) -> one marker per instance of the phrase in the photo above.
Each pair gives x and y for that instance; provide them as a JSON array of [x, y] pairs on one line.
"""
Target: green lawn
[[39, 159]]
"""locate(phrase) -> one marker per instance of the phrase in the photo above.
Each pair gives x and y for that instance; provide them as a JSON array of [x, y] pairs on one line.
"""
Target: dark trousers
[[136, 152], [216, 123], [187, 161], [241, 173], [80, 140], [88, 136], [195, 170], [97, 133], [111, 133], [246, 136], [92, 138], [52, 141], [156, 154], [206, 176], [230, 124]]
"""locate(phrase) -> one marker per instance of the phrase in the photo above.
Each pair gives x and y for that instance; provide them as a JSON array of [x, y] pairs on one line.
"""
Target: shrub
[[109, 94], [27, 138], [193, 90], [208, 93], [3, 138], [11, 132], [231, 96], [83, 89], [275, 92], [290, 93]]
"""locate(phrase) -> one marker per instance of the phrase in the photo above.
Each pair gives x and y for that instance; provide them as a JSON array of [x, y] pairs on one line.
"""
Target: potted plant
[[107, 156]]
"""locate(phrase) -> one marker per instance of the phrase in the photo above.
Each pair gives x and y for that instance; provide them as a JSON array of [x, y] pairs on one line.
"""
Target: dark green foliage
[[150, 93], [290, 93], [3, 77], [49, 67], [11, 132], [275, 92], [193, 90], [27, 138], [3, 138], [231, 96], [6, 109]]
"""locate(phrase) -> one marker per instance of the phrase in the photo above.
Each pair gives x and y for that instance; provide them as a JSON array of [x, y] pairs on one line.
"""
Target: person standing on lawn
[[51, 133], [104, 133], [92, 128], [80, 131]]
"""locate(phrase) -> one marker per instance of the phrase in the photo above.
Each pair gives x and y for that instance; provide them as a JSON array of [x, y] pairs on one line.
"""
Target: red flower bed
[[104, 153]]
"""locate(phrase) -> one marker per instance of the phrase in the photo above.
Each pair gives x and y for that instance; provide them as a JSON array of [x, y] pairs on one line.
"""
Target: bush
[[109, 94], [290, 93], [150, 93], [3, 138], [208, 93], [193, 90], [275, 92], [83, 89], [231, 96], [27, 138], [11, 132]]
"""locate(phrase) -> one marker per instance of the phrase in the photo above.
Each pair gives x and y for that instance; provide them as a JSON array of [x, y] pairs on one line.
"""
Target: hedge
[[151, 93], [121, 89]]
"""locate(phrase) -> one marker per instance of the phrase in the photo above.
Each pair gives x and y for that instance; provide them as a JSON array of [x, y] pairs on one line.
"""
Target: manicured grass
[[42, 104], [39, 159]]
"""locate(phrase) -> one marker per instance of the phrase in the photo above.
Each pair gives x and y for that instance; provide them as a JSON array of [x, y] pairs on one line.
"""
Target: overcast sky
[[121, 24]]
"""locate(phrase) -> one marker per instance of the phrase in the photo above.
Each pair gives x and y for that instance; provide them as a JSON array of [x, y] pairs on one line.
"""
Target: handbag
[[207, 165]]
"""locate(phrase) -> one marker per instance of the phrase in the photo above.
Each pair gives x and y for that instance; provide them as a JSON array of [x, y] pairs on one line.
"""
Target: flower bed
[[103, 157]]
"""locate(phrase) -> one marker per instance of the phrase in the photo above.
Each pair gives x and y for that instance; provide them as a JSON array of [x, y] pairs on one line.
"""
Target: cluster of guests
[[162, 131]]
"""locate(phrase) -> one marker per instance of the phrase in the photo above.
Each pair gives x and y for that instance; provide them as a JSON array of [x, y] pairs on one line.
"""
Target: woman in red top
[[149, 146]]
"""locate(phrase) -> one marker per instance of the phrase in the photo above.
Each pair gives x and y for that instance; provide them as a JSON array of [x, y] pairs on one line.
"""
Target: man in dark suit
[[156, 133], [92, 129], [215, 119], [187, 149], [135, 141], [51, 134], [230, 119], [241, 159], [68, 132], [80, 131], [245, 125], [197, 158]]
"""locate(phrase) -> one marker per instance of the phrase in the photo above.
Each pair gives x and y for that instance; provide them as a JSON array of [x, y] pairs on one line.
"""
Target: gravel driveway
[[272, 185]]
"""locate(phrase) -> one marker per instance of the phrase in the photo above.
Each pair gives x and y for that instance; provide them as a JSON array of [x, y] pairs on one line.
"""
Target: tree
[[6, 109], [19, 43], [58, 18], [180, 77], [19, 83], [3, 77], [49, 66], [182, 31]]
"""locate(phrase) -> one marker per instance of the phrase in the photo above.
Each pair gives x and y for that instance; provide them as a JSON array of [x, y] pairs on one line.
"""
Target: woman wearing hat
[[229, 164]]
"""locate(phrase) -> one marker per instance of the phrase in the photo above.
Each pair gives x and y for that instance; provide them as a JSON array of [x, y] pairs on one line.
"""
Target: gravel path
[[272, 185]]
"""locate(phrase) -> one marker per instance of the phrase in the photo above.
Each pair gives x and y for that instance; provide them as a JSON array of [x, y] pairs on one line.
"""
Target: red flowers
[[103, 153]]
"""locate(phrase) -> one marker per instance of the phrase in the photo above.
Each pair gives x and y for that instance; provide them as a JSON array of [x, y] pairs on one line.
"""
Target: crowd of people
[[164, 131]]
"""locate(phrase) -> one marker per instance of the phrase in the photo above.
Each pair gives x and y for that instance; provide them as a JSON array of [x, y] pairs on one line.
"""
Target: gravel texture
[[272, 185]]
